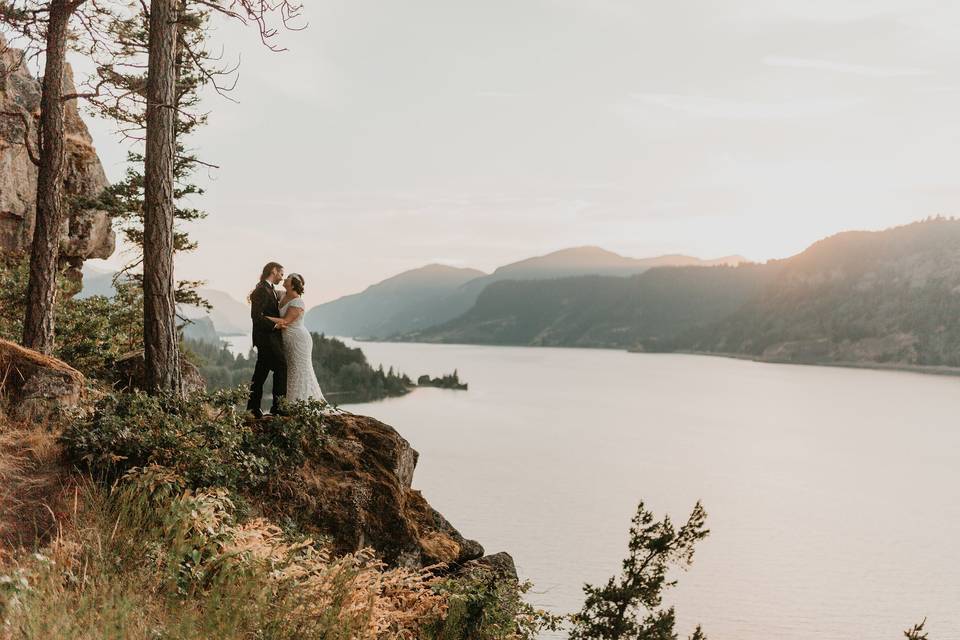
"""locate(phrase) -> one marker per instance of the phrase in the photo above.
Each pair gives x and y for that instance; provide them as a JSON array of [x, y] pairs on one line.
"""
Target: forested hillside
[[603, 311], [410, 300], [864, 297], [884, 297], [425, 297]]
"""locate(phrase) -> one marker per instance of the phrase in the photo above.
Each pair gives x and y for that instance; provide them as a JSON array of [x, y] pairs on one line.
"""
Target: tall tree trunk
[[159, 308], [45, 251]]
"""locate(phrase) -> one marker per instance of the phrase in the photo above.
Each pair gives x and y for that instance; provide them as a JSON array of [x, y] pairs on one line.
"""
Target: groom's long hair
[[267, 270]]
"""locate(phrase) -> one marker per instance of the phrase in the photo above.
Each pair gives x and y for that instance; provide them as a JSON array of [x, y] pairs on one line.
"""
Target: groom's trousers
[[270, 357]]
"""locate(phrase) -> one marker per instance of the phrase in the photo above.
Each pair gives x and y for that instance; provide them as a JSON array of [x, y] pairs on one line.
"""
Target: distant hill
[[603, 311], [580, 261], [201, 330], [96, 282], [228, 316], [884, 298], [425, 297], [408, 301]]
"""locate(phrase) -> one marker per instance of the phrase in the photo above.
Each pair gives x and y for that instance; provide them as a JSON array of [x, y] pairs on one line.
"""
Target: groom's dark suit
[[265, 301]]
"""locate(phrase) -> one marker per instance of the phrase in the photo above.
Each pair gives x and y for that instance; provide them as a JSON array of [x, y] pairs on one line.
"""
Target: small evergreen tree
[[629, 607], [916, 632]]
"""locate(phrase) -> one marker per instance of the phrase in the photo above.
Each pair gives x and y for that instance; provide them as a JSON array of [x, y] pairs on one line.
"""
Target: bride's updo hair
[[296, 281]]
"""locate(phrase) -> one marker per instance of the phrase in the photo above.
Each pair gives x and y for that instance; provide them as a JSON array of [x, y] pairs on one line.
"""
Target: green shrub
[[204, 438], [483, 605]]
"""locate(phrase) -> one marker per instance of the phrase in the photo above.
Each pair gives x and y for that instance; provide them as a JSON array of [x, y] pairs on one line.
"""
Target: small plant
[[12, 587], [630, 606]]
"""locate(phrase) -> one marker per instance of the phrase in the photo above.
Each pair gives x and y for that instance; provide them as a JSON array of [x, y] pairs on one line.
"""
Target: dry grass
[[149, 559], [34, 486]]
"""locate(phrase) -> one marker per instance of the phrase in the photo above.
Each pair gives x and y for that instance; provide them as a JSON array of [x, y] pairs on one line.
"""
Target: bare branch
[[211, 75], [257, 12], [197, 161]]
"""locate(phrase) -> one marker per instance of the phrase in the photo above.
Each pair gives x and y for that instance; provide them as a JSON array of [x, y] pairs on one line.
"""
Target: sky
[[475, 133]]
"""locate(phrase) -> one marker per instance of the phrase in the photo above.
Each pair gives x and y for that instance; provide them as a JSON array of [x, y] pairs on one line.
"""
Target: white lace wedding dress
[[298, 346]]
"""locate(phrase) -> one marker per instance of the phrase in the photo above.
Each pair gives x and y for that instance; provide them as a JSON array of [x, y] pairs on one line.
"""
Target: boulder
[[34, 385], [357, 492], [129, 372], [500, 564], [87, 233]]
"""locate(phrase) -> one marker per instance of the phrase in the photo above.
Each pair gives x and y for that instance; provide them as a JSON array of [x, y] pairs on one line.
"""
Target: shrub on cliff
[[149, 556], [203, 438], [481, 604], [166, 537]]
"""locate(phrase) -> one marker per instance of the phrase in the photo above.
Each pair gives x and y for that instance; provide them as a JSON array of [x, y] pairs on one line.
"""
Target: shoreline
[[936, 370]]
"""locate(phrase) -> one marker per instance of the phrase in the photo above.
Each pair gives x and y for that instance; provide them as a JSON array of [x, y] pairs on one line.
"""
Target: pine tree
[[630, 606]]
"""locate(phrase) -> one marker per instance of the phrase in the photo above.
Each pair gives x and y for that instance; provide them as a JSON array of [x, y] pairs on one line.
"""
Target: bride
[[297, 343]]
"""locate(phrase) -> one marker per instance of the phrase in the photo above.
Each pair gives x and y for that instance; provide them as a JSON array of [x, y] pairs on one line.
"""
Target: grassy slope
[[149, 558]]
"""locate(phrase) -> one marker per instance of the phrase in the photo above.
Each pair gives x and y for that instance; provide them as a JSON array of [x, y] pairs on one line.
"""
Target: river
[[832, 493]]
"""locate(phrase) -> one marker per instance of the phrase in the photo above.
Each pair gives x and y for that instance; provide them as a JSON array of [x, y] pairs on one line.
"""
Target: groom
[[264, 302]]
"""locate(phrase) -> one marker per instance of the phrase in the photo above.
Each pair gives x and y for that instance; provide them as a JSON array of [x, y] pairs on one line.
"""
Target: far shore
[[937, 370], [877, 366]]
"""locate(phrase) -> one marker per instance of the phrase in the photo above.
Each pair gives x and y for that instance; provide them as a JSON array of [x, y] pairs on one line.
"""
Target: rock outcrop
[[88, 232], [33, 385], [355, 489], [358, 492]]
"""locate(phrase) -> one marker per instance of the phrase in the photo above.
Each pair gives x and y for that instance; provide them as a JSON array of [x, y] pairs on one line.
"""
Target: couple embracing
[[284, 346]]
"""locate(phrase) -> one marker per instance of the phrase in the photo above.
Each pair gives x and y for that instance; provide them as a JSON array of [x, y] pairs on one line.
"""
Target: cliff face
[[358, 492], [355, 489], [87, 233]]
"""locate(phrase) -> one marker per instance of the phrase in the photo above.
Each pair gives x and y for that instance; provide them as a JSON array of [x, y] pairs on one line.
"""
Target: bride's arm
[[289, 317]]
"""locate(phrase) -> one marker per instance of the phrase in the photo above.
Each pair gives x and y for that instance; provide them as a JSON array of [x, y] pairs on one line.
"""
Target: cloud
[[842, 67], [710, 107]]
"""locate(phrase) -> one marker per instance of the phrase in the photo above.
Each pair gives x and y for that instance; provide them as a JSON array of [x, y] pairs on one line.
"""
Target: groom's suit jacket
[[265, 301]]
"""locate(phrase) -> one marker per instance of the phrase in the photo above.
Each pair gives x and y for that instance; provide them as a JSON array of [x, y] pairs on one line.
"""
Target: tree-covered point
[[343, 372], [449, 381]]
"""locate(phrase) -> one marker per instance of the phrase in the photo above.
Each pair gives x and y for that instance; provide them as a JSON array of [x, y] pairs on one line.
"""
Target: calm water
[[832, 493]]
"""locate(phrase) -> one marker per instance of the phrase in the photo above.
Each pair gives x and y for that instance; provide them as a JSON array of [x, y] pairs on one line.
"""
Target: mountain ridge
[[371, 313], [888, 298]]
